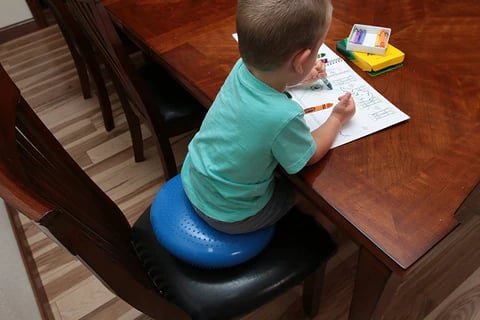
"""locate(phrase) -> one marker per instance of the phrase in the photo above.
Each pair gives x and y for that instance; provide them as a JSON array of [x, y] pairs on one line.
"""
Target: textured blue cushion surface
[[184, 234]]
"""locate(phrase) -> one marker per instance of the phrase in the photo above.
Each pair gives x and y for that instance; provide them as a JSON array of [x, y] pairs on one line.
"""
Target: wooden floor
[[445, 285]]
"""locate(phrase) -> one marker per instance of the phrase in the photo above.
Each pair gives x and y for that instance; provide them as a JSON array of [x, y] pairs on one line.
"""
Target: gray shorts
[[283, 199]]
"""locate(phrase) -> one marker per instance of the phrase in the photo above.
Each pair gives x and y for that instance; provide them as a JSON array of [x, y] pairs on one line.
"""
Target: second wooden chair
[[148, 94]]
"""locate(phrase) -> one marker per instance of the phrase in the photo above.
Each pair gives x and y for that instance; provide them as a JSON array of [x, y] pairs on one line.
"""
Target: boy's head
[[271, 31]]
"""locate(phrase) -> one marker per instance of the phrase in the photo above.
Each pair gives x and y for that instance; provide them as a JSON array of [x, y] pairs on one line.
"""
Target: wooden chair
[[35, 172], [84, 58], [148, 93]]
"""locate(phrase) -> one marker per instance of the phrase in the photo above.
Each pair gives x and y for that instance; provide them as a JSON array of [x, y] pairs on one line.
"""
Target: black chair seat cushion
[[175, 105], [298, 247]]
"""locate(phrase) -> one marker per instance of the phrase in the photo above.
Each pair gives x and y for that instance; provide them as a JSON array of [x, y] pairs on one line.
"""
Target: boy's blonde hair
[[270, 31]]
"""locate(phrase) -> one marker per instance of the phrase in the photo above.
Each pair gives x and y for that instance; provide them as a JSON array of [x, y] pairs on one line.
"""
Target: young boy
[[252, 126]]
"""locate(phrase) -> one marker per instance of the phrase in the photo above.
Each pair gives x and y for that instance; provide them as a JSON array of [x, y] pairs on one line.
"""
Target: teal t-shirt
[[250, 128]]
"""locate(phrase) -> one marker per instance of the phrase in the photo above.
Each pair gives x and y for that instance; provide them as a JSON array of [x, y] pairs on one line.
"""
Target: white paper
[[373, 111]]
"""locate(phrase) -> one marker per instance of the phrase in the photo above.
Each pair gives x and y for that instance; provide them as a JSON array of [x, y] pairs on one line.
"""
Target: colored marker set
[[359, 35], [370, 39]]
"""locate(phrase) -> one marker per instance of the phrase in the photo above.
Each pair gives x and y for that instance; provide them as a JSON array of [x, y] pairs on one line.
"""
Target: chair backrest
[[69, 30], [67, 26], [40, 179], [96, 23], [85, 60]]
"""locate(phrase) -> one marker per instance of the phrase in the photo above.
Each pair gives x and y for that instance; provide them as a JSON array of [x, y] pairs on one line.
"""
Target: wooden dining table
[[395, 192]]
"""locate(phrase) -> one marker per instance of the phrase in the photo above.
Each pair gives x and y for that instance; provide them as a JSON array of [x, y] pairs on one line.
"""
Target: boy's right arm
[[324, 136]]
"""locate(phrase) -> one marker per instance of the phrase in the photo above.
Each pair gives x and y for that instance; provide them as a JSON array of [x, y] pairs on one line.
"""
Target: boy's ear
[[300, 59]]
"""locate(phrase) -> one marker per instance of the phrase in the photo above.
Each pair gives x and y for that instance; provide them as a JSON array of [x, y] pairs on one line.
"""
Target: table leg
[[375, 285]]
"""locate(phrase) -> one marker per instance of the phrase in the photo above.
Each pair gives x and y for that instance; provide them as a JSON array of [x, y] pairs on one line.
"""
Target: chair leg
[[312, 291], [133, 123], [103, 98], [136, 134], [84, 82], [167, 157], [82, 72]]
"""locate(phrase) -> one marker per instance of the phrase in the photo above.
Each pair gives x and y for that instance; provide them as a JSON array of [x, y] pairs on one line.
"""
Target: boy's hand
[[345, 109], [317, 72]]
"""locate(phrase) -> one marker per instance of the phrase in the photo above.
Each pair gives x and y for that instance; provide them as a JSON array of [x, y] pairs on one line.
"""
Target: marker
[[354, 36], [358, 36], [362, 37], [381, 38], [318, 108], [327, 83]]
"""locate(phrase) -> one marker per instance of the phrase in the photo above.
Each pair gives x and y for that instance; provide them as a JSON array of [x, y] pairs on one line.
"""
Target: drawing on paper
[[373, 111]]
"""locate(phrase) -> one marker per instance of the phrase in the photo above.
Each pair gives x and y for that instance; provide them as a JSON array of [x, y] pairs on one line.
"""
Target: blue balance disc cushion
[[185, 235]]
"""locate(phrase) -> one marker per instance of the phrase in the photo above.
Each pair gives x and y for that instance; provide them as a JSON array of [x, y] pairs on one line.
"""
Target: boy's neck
[[275, 79]]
